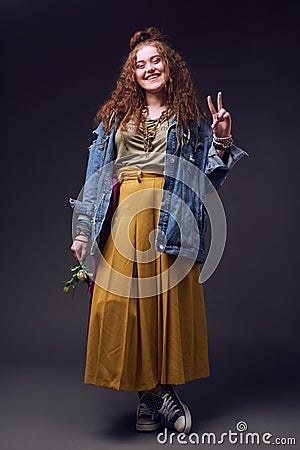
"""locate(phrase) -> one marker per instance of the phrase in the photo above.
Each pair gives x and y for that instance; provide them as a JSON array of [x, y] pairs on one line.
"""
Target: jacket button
[[165, 219], [161, 247]]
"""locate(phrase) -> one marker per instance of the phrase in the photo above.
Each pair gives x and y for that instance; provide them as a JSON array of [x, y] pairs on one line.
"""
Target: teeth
[[152, 77]]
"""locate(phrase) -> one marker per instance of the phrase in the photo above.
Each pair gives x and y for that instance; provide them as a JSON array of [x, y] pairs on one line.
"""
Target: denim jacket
[[175, 231]]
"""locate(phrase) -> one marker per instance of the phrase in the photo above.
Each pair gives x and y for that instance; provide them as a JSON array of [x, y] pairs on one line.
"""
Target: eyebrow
[[154, 56]]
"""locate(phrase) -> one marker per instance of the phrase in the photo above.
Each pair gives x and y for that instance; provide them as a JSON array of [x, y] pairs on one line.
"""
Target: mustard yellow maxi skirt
[[136, 341]]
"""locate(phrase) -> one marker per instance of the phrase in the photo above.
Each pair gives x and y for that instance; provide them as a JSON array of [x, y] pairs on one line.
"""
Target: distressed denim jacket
[[187, 153]]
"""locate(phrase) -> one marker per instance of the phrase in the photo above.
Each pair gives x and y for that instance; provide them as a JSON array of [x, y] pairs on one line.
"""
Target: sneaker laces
[[169, 408], [144, 410]]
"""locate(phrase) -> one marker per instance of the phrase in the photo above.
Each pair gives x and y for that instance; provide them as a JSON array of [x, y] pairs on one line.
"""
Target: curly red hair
[[128, 99]]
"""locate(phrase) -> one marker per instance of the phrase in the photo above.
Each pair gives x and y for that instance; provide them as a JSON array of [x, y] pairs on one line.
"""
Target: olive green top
[[130, 146]]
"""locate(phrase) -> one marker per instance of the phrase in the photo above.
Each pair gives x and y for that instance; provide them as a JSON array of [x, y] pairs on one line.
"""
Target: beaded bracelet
[[225, 146], [87, 221], [222, 143], [86, 233], [220, 139], [84, 227]]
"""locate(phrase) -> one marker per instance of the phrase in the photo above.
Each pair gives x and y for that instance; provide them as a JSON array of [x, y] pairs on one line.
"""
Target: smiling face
[[150, 70]]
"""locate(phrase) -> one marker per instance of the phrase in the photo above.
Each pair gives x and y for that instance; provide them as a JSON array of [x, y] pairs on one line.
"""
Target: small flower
[[79, 273]]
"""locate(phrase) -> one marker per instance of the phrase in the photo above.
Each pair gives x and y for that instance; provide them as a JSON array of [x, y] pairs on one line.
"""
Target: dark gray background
[[59, 62]]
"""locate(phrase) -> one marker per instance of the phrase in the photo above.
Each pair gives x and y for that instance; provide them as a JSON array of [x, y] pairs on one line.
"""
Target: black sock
[[140, 394]]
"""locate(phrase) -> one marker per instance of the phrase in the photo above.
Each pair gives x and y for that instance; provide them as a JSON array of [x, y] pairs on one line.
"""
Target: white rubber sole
[[147, 427]]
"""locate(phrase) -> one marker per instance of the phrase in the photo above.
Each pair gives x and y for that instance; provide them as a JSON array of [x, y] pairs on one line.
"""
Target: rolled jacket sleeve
[[216, 169]]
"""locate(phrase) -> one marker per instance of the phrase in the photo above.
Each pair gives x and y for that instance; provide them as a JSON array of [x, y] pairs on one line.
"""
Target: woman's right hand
[[79, 247]]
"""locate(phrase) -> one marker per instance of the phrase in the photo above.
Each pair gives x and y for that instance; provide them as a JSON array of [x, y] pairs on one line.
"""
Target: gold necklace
[[149, 135]]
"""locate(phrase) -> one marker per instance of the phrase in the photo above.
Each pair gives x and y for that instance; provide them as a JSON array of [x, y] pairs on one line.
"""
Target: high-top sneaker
[[168, 404], [146, 418]]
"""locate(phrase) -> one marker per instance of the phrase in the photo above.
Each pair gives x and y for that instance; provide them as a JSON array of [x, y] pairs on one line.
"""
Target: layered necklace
[[149, 134]]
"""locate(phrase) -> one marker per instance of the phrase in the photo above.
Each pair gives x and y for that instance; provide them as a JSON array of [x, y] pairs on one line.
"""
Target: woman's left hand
[[221, 125]]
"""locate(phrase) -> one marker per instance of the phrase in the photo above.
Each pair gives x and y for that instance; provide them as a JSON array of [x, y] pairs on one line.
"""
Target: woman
[[147, 326]]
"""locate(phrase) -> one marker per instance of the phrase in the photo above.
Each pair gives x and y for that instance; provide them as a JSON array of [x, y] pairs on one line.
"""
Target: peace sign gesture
[[221, 125]]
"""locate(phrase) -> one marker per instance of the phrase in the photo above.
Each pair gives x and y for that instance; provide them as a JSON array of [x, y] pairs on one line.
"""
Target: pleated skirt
[[143, 331]]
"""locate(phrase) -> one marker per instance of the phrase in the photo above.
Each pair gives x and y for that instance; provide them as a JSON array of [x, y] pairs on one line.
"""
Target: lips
[[152, 77]]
